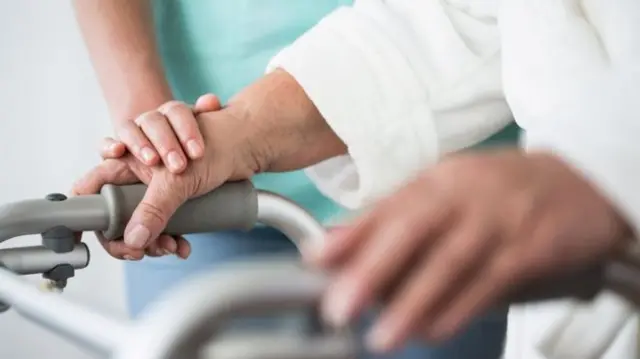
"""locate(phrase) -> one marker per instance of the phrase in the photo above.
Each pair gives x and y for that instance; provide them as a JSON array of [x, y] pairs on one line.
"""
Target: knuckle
[[153, 212], [183, 122], [181, 116], [148, 119], [171, 106], [123, 127]]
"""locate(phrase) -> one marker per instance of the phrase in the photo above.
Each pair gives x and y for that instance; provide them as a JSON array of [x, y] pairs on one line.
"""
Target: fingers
[[183, 122], [392, 244], [111, 148], [184, 248], [170, 133], [207, 103], [110, 171], [119, 250], [137, 143], [164, 245], [150, 218], [158, 130], [429, 286], [338, 245], [168, 245], [480, 293], [343, 242]]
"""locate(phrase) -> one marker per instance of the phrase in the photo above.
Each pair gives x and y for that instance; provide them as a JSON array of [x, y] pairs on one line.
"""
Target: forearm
[[396, 94], [120, 38], [287, 132]]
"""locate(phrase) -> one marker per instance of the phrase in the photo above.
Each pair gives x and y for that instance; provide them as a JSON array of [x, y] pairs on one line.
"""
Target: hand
[[171, 132], [229, 155], [165, 244], [452, 243]]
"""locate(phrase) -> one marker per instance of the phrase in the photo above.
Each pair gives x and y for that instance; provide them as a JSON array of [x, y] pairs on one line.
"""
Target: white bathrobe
[[403, 82]]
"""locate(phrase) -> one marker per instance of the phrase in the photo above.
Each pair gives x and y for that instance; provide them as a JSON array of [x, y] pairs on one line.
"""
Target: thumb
[[150, 218]]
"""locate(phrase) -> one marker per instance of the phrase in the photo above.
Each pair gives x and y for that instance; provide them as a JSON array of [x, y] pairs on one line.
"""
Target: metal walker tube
[[186, 315], [192, 315]]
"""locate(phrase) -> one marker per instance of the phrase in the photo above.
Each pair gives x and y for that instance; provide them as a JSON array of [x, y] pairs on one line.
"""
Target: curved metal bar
[[194, 313], [289, 218], [50, 310], [188, 315], [183, 323]]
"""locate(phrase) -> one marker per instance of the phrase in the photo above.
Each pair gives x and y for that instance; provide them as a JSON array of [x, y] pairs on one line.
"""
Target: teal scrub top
[[221, 46]]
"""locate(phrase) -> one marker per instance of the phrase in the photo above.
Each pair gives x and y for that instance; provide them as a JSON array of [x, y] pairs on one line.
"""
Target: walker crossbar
[[186, 323]]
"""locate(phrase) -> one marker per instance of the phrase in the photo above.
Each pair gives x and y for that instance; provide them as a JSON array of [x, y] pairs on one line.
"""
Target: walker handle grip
[[233, 205]]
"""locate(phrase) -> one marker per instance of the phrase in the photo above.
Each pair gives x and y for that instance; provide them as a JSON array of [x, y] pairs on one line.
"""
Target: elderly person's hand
[[112, 149], [228, 156], [452, 243]]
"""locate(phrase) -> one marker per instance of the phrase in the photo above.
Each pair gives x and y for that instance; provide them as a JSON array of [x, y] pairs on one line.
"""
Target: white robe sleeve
[[401, 82], [572, 79]]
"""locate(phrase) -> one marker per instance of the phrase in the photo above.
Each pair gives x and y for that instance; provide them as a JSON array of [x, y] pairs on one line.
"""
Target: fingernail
[[113, 147], [194, 148], [167, 252], [336, 308], [147, 154], [175, 161], [129, 258], [137, 237]]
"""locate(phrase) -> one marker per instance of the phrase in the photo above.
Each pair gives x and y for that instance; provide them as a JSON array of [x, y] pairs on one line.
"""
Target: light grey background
[[51, 120]]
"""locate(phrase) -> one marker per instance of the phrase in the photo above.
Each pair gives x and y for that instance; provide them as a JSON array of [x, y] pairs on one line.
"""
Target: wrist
[[265, 109], [254, 146], [608, 223], [285, 129]]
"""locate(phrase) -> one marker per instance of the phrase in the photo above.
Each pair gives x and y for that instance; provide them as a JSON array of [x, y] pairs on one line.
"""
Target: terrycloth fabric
[[572, 79], [403, 82], [582, 324]]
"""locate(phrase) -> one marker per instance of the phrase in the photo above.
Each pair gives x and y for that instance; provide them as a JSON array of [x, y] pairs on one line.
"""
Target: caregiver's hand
[[452, 243], [228, 156], [169, 133]]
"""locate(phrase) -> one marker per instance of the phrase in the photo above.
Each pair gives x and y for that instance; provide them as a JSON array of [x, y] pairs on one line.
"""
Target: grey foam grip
[[234, 205]]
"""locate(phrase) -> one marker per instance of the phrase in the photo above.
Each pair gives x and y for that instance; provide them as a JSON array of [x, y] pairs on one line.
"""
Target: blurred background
[[52, 119]]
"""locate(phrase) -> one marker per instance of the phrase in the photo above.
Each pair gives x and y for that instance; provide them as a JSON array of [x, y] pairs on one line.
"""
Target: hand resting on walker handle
[[219, 163], [456, 241]]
